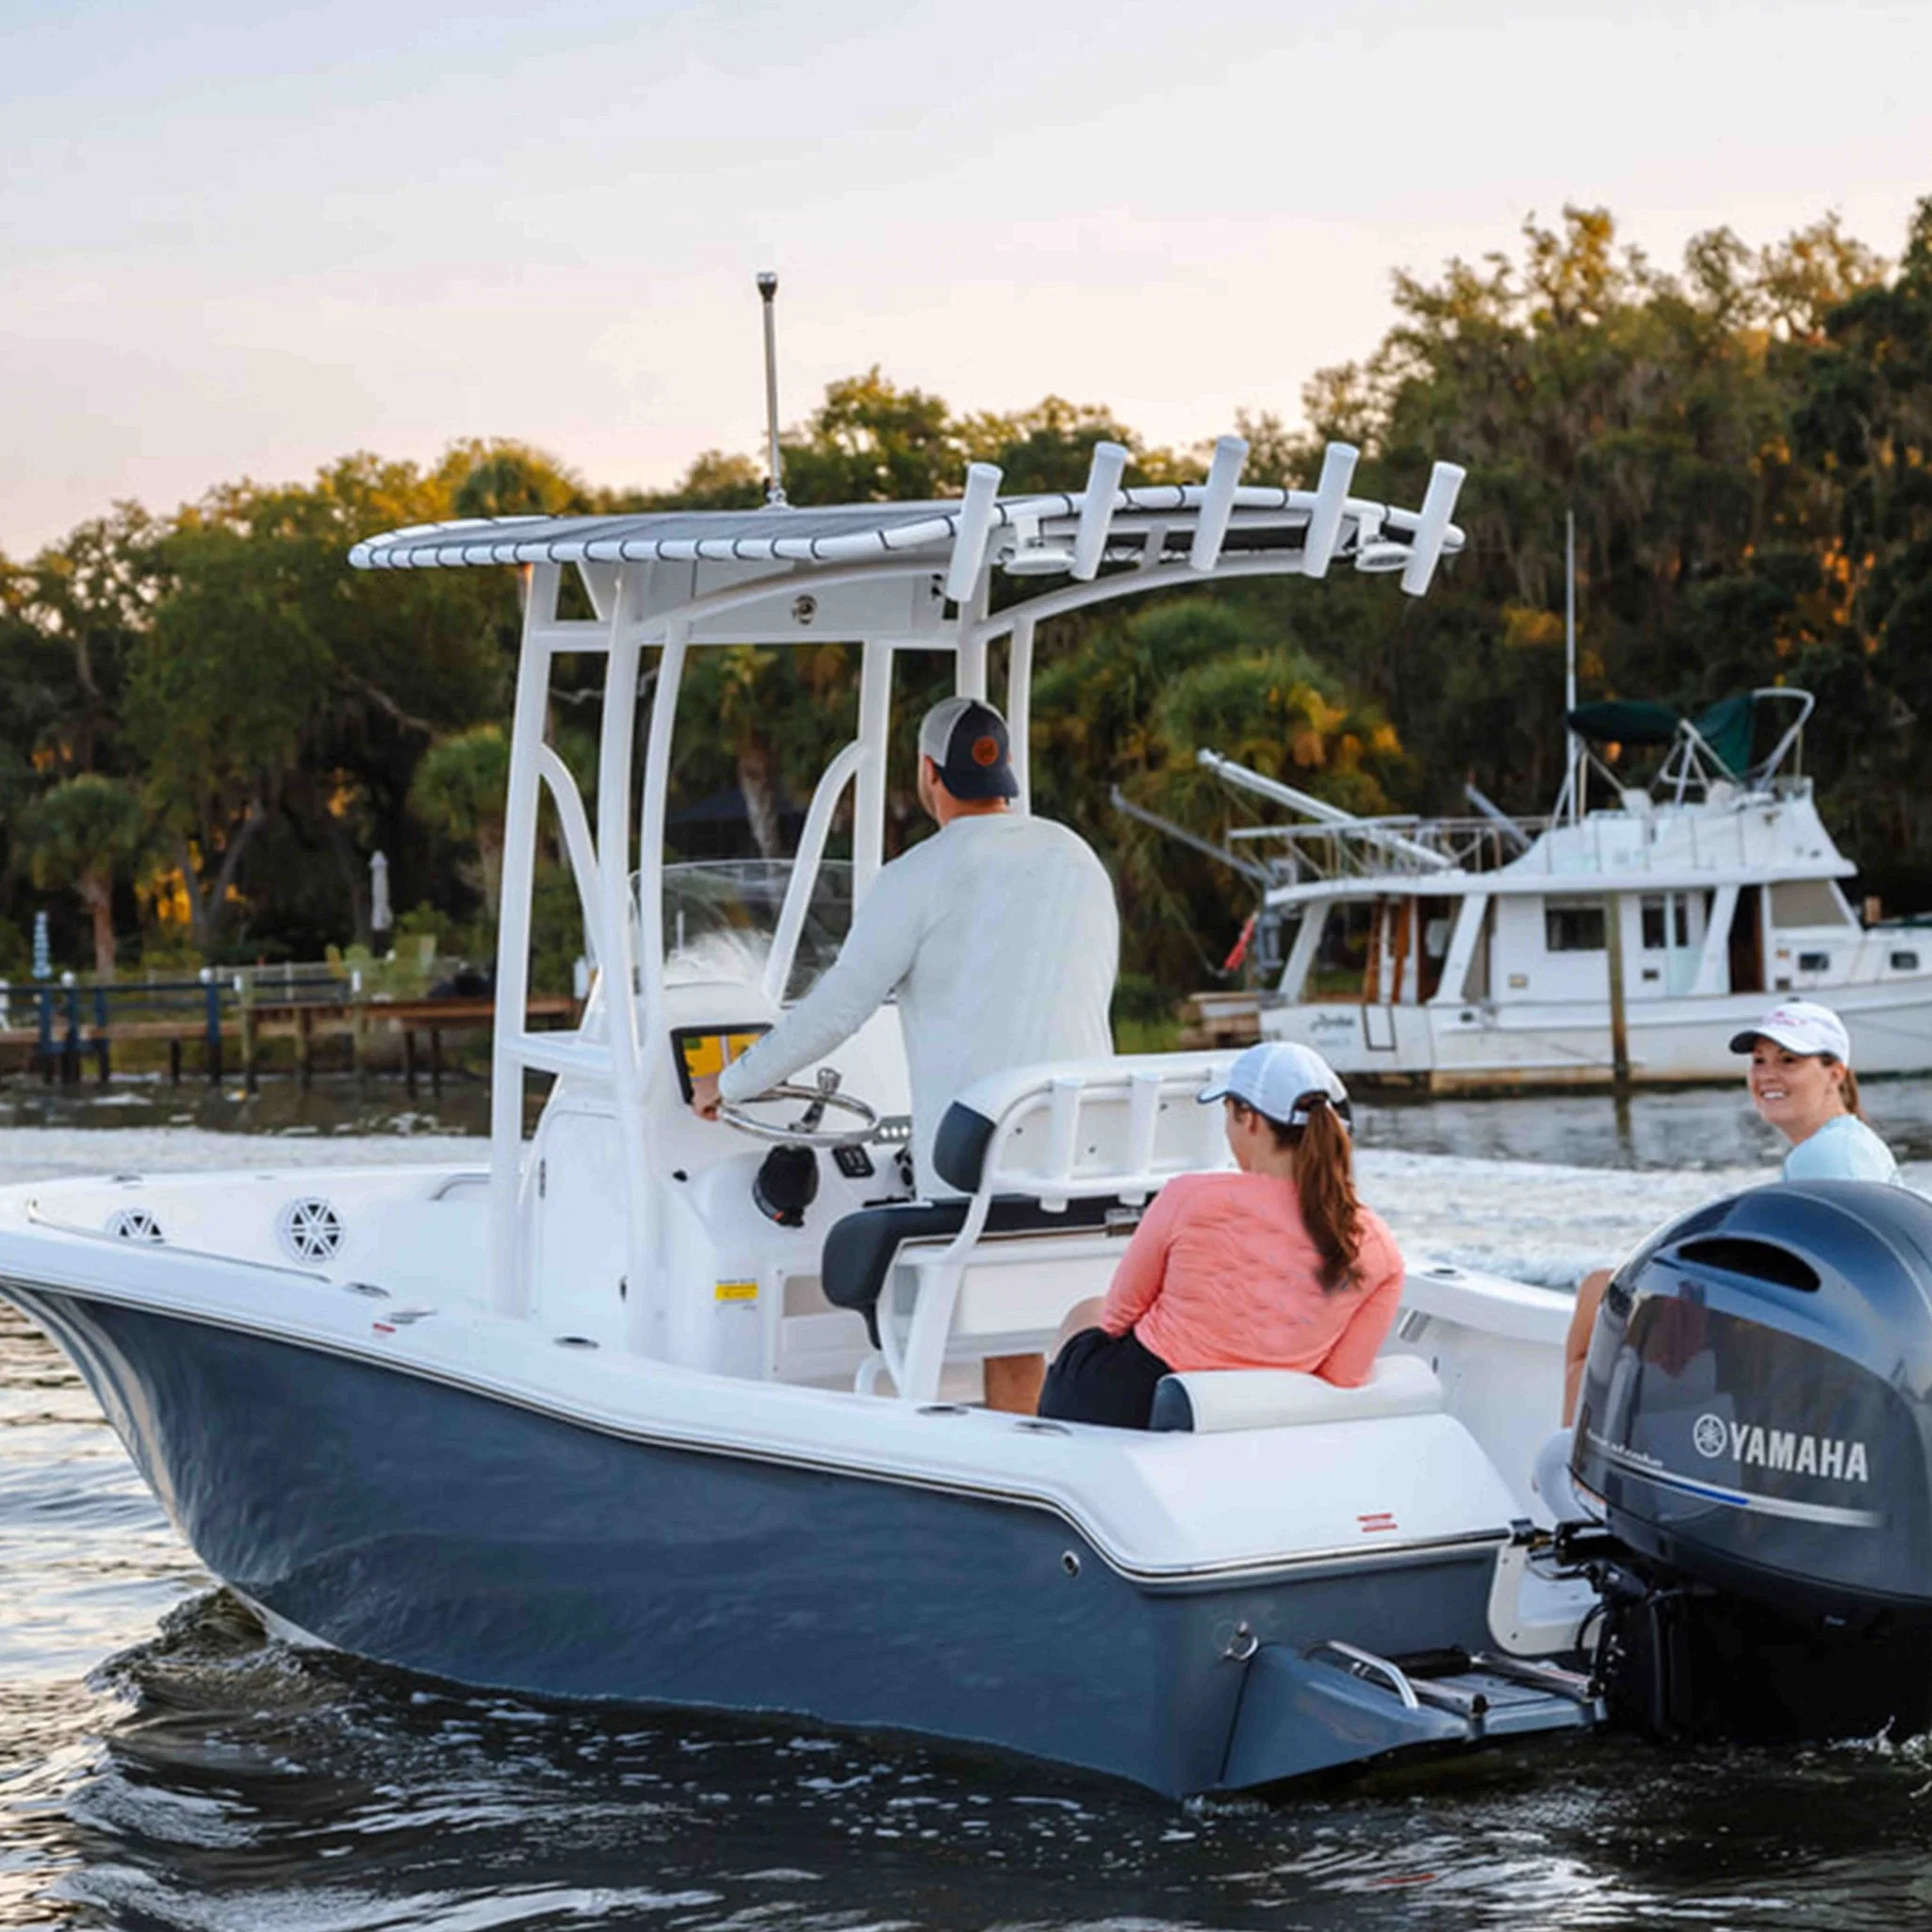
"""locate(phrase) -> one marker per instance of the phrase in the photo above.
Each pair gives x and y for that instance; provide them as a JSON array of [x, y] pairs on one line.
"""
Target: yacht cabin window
[[1666, 922], [1573, 926], [1808, 901]]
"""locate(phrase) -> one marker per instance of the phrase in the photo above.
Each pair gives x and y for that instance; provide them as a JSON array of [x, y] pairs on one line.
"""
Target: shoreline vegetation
[[209, 723]]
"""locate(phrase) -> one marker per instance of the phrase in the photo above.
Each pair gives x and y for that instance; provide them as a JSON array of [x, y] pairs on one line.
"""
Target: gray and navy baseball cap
[[967, 738]]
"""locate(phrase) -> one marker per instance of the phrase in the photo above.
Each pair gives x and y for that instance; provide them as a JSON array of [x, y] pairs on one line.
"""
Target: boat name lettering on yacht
[[1827, 1456]]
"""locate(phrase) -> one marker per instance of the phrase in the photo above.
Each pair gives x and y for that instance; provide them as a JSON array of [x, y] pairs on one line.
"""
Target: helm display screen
[[701, 1049]]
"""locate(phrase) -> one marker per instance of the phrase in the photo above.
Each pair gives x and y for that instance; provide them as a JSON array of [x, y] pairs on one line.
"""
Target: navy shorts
[[1102, 1378]]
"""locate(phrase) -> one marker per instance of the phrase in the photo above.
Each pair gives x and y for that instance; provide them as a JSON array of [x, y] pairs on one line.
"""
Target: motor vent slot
[[134, 1224], [310, 1228], [1763, 1261]]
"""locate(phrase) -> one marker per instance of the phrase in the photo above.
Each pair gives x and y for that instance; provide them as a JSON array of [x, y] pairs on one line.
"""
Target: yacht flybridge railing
[[1393, 848], [1693, 769], [890, 577]]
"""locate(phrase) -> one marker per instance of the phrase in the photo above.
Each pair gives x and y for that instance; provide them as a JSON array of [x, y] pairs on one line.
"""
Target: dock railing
[[63, 1024]]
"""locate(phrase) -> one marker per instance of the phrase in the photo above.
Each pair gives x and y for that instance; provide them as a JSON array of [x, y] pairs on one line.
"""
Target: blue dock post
[[214, 998], [70, 1047], [104, 1063], [43, 1002]]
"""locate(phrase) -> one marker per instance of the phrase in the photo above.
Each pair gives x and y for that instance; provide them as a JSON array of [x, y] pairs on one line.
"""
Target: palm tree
[[81, 835], [460, 789]]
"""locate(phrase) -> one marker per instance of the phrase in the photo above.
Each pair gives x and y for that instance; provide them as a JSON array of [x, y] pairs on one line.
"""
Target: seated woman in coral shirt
[[1275, 1267]]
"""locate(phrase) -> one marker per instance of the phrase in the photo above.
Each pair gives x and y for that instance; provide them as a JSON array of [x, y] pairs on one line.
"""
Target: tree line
[[208, 722]]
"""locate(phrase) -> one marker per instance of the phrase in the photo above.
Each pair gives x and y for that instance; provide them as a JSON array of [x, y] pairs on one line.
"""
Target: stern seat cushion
[[1209, 1401], [860, 1249]]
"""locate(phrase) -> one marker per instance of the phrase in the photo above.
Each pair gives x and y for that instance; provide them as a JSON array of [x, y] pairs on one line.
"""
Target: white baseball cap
[[1800, 1027], [1275, 1077]]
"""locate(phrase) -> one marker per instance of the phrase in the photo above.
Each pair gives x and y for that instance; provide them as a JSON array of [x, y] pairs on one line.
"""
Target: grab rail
[[804, 867], [1366, 1662]]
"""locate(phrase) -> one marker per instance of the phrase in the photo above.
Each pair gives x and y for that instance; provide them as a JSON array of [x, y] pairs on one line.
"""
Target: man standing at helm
[[998, 934]]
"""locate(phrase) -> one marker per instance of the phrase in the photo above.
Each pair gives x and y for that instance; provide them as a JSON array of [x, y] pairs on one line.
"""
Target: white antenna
[[1571, 743], [775, 481]]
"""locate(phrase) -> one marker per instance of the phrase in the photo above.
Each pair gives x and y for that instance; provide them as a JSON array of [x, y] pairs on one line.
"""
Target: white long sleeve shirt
[[1000, 937]]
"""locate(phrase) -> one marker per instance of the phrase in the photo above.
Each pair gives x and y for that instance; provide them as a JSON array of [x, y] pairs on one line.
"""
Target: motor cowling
[[1756, 1419]]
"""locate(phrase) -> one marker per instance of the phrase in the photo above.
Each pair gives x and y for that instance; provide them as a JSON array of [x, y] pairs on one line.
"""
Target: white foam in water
[[1535, 1222], [1538, 1222], [42, 1154]]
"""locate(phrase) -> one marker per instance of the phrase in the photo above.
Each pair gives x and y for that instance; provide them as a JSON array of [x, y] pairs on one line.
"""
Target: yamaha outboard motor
[[1756, 1422]]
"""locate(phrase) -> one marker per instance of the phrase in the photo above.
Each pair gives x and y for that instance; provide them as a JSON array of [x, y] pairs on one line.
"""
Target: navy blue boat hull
[[430, 1527]]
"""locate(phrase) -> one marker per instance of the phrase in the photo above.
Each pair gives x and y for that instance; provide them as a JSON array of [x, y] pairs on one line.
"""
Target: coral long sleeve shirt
[[1222, 1273]]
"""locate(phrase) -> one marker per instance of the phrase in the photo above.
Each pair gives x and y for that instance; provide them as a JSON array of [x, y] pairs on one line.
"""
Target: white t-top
[[1000, 937], [1843, 1148]]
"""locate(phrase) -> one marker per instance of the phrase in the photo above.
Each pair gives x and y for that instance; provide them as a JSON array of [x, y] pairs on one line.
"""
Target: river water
[[163, 1763]]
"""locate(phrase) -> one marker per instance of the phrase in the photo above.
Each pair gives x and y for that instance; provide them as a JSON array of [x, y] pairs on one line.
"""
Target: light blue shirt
[[1843, 1148]]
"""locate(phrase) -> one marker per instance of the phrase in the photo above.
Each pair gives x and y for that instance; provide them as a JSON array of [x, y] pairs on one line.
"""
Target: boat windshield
[[721, 916]]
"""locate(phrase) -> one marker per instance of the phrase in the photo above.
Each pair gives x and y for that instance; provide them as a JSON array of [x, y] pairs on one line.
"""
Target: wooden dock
[[1213, 1021], [209, 1025]]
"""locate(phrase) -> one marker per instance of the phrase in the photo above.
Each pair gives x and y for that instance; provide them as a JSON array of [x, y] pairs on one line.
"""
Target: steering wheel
[[805, 1131]]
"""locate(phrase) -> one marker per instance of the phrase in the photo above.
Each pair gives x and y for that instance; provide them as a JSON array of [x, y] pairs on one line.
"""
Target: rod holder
[[1097, 508], [1432, 526], [1218, 501], [1331, 498], [976, 525]]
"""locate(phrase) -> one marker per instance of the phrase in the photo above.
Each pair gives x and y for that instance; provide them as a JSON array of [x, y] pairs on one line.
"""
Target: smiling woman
[[1801, 1083]]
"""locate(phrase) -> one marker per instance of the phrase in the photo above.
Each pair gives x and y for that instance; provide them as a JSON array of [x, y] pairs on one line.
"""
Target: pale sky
[[243, 239]]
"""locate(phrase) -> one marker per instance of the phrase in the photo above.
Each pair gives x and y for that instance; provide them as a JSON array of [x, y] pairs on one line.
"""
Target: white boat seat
[[860, 1248], [1047, 1149], [1078, 1126], [1208, 1401]]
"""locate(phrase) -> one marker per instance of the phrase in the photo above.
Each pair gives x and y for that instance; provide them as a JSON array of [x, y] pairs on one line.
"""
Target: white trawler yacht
[[1624, 941]]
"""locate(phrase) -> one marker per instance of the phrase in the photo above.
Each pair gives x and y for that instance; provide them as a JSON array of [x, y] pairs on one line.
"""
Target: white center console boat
[[647, 1410]]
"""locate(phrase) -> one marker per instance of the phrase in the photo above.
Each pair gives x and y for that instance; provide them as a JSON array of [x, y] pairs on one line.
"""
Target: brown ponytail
[[1325, 1181], [1847, 1088]]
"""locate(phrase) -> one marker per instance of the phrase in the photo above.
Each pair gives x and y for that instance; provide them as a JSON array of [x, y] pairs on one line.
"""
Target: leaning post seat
[[860, 1248], [1062, 1149], [1209, 1401]]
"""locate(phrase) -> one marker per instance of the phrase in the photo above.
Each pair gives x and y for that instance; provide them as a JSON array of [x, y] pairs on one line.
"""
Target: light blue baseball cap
[[1274, 1078]]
